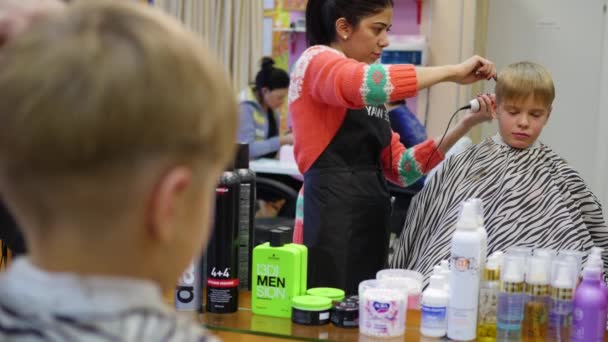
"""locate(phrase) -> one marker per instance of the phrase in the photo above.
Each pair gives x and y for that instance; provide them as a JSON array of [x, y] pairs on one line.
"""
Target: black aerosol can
[[246, 218], [222, 257]]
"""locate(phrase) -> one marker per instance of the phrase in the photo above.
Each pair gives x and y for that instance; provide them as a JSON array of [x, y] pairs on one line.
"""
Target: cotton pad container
[[413, 280], [381, 310]]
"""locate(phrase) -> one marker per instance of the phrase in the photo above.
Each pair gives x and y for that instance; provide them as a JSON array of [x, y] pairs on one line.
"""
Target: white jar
[[381, 312]]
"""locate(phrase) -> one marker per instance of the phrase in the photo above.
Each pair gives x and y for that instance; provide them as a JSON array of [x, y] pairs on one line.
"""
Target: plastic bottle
[[547, 253], [277, 272], [434, 308], [589, 322], [537, 302], [488, 300], [439, 272], [188, 291], [222, 280], [563, 282], [464, 276], [510, 299], [574, 255], [596, 258], [247, 198]]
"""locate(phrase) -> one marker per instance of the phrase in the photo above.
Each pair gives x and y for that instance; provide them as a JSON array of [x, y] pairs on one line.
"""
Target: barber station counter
[[245, 326]]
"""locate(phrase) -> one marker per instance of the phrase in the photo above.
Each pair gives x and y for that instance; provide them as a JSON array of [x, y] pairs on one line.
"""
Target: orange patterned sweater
[[324, 85]]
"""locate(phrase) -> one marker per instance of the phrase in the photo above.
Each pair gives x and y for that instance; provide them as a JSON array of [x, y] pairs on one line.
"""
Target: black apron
[[347, 204]]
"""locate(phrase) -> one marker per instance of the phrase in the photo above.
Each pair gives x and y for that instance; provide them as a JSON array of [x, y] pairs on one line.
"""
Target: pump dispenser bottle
[[464, 276], [510, 299], [536, 309], [589, 323], [596, 258], [488, 300], [563, 282]]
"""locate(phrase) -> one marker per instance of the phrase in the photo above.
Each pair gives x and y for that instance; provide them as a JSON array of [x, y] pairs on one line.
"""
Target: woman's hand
[[487, 111], [474, 69], [286, 139]]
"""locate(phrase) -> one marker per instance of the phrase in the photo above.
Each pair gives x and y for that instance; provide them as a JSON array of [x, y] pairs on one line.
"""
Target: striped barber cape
[[531, 197]]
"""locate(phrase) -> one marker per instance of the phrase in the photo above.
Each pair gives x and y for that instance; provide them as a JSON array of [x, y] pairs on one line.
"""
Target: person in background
[[344, 144], [531, 196], [114, 129], [15, 17], [259, 123]]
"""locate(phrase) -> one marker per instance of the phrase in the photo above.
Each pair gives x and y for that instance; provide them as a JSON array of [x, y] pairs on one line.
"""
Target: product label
[[244, 242], [461, 318], [488, 305], [433, 317], [188, 289], [381, 307], [222, 290], [465, 264], [587, 326], [382, 318], [270, 284]]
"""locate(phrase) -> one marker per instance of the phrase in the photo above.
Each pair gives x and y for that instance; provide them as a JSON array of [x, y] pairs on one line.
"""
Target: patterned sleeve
[[405, 166], [332, 78], [408, 249]]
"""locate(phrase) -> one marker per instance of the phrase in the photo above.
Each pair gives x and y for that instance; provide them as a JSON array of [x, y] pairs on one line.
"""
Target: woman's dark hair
[[321, 16], [271, 77]]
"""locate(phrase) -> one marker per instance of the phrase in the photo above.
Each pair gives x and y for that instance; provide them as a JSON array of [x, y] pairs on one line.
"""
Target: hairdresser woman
[[343, 141]]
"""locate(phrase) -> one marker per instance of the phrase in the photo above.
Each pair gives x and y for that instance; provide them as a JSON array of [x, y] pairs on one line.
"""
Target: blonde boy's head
[[524, 98], [112, 116], [519, 80]]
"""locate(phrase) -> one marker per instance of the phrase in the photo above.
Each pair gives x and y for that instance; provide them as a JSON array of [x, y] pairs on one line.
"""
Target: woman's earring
[[345, 37]]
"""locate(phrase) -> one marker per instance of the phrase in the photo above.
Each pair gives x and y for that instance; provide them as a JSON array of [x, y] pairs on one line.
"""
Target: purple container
[[589, 317]]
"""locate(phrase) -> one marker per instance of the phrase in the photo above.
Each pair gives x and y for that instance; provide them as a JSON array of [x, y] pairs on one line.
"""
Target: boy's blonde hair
[[98, 93], [519, 80]]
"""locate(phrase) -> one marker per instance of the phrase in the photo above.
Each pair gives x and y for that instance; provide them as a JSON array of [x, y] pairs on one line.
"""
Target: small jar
[[345, 314], [336, 295], [352, 299], [311, 310]]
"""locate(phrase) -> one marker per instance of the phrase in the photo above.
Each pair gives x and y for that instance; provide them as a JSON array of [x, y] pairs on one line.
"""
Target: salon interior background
[[569, 37]]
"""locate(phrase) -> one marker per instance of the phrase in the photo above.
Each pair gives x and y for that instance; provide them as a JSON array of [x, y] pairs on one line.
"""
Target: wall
[[450, 30], [601, 171], [566, 36]]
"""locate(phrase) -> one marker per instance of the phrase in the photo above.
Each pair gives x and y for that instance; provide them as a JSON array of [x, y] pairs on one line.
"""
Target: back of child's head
[[520, 80], [93, 96]]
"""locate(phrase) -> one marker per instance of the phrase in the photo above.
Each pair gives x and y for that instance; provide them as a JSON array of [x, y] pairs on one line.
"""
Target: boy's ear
[[166, 201]]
